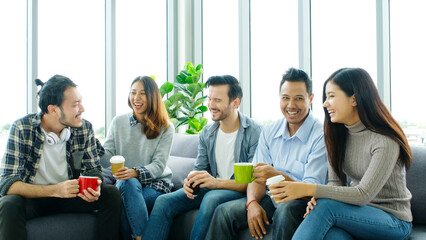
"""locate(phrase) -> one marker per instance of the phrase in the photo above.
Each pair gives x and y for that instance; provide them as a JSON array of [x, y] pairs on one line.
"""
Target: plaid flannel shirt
[[144, 175], [25, 146]]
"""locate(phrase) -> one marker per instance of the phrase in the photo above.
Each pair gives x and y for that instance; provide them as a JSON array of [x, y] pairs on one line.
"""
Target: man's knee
[[211, 201], [220, 214], [164, 200], [229, 211], [164, 204], [11, 205]]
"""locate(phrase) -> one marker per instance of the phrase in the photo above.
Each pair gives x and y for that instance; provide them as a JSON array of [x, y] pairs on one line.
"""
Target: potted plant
[[185, 105]]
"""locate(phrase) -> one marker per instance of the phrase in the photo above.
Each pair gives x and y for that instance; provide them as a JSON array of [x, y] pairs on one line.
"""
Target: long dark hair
[[372, 113], [156, 115]]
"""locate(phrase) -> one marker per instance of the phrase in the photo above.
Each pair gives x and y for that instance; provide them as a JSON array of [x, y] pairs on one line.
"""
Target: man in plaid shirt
[[45, 154]]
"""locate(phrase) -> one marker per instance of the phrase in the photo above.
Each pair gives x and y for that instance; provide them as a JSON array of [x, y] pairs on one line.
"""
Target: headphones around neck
[[52, 138]]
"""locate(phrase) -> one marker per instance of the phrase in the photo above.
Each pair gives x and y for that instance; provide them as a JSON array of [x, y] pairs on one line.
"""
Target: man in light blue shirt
[[292, 147]]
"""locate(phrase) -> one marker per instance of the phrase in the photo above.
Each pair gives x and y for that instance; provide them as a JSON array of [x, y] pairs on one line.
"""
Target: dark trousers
[[16, 210]]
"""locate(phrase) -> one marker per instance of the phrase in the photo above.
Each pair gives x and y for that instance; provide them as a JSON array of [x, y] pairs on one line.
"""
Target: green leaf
[[195, 79], [182, 88], [182, 123], [189, 79], [199, 101], [162, 92], [199, 67], [190, 131], [182, 119], [203, 109], [186, 113], [190, 67], [180, 79], [167, 87], [167, 103], [194, 123], [194, 88], [152, 76], [187, 107], [176, 97], [173, 111], [203, 122], [184, 74], [202, 85]]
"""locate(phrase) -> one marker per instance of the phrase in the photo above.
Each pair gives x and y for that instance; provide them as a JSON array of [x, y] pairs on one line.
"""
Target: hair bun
[[38, 82]]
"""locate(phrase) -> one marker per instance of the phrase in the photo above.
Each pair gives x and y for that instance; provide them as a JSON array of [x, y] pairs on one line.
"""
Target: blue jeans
[[137, 201], [331, 219], [231, 217], [172, 204]]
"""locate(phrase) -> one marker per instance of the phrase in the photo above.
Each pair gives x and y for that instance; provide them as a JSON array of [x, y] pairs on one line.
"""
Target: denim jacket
[[245, 144]]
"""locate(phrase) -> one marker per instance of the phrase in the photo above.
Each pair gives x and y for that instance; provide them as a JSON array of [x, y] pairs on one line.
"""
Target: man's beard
[[62, 119]]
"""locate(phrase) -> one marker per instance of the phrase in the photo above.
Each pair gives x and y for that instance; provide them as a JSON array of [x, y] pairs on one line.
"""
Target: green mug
[[243, 172]]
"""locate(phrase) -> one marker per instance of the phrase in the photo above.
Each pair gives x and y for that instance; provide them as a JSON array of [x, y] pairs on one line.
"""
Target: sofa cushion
[[185, 145], [180, 167], [64, 226], [418, 232], [416, 184]]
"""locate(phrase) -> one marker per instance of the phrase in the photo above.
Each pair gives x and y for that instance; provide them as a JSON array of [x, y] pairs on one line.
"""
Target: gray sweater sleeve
[[385, 154], [161, 154], [109, 145]]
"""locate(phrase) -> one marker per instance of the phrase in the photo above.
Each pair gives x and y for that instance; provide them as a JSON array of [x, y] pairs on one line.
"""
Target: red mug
[[86, 182]]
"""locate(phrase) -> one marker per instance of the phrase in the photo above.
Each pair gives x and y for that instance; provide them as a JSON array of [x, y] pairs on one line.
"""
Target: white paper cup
[[117, 162], [275, 179]]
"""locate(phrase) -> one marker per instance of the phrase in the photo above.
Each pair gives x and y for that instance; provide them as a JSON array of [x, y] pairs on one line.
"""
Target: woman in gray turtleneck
[[366, 196]]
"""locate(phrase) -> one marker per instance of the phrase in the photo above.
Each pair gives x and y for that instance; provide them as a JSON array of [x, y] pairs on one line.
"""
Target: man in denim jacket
[[231, 138]]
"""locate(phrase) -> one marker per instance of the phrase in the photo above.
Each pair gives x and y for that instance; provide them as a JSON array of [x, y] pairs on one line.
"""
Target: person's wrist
[[135, 173], [249, 203]]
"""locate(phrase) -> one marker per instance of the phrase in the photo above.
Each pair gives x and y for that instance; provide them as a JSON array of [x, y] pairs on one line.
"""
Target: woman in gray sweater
[[366, 196], [144, 138]]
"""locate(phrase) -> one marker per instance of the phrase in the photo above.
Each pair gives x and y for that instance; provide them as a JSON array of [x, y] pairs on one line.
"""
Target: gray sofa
[[73, 226]]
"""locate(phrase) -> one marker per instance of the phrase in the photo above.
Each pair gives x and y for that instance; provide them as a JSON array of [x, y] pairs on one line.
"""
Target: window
[[72, 43], [273, 51], [220, 40], [408, 37], [343, 35], [13, 90], [140, 44]]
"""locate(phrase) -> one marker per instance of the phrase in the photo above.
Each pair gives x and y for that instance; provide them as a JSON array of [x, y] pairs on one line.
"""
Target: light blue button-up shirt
[[302, 156]]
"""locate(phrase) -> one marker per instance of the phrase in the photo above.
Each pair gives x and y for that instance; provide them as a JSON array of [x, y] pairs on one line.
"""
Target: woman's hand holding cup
[[117, 162], [272, 184]]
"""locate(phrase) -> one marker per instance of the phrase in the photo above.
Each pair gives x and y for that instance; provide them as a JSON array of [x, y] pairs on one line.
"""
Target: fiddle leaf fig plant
[[185, 105]]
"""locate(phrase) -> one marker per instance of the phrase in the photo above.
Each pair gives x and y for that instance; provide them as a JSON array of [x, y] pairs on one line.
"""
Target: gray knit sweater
[[377, 177], [129, 141]]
